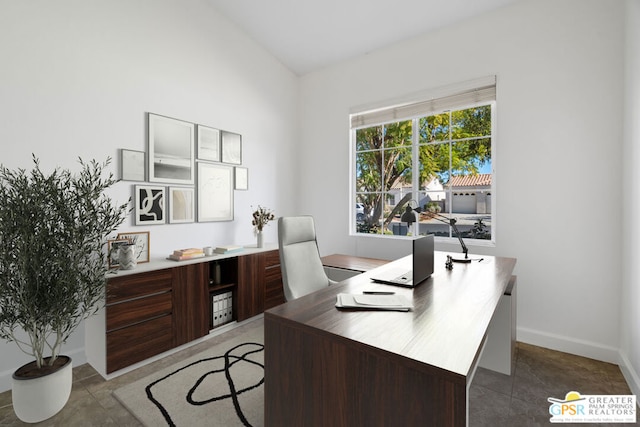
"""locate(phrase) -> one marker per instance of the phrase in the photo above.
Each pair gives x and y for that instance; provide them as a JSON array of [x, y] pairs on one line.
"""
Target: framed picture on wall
[[132, 165], [215, 192], [241, 178], [181, 205], [141, 239], [208, 143], [150, 205], [171, 150], [231, 147]]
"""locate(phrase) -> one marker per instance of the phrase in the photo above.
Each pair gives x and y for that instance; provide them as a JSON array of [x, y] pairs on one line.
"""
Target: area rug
[[221, 386]]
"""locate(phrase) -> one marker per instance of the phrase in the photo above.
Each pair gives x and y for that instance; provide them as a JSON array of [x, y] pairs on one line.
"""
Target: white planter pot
[[37, 399]]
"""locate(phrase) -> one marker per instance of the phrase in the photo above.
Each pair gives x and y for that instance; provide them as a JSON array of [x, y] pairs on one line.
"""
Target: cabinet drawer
[[137, 285], [129, 313], [273, 274], [272, 259], [274, 293], [130, 345]]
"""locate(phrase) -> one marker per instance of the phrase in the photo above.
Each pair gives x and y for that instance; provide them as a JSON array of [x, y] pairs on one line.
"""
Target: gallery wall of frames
[[188, 173]]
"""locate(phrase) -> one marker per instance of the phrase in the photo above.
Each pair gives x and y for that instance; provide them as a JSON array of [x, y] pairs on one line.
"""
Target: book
[[188, 251], [374, 302], [228, 249], [175, 257]]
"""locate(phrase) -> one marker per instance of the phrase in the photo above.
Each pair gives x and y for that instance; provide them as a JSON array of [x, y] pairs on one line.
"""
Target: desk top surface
[[353, 263], [445, 330]]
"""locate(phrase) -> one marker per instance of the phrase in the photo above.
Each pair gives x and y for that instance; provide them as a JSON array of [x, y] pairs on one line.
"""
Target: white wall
[[630, 301], [559, 127], [77, 78]]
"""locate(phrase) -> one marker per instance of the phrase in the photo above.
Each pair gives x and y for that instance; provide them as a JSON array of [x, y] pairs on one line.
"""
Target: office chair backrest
[[302, 271]]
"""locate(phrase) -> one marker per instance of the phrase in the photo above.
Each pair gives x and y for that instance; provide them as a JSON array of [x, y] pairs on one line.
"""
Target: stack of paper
[[374, 302]]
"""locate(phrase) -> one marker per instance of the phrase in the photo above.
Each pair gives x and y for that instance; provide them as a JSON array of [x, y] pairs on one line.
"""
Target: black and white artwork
[[231, 148], [150, 205], [171, 150]]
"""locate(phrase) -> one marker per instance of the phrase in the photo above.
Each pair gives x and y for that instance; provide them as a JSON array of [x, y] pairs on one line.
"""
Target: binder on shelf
[[222, 308]]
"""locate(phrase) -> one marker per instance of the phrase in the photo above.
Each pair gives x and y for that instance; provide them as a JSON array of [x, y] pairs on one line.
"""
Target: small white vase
[[40, 398], [260, 239], [127, 257]]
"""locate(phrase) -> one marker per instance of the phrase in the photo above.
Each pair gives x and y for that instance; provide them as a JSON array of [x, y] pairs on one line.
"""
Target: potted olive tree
[[52, 272]]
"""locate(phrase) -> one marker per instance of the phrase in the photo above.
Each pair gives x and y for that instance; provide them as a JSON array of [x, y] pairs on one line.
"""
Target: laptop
[[422, 266]]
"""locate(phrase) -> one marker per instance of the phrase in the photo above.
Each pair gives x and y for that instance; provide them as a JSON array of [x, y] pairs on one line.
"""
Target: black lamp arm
[[455, 230], [452, 223]]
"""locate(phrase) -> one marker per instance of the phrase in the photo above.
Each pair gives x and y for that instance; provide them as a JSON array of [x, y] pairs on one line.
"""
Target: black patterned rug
[[221, 386]]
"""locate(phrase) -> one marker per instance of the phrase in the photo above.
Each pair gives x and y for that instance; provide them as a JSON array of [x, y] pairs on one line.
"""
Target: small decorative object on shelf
[[127, 256], [261, 217]]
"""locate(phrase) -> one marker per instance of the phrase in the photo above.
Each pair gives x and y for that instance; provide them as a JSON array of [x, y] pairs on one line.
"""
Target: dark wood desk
[[330, 367], [352, 263]]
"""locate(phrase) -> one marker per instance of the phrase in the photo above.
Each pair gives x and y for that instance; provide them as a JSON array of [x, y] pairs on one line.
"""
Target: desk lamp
[[408, 217]]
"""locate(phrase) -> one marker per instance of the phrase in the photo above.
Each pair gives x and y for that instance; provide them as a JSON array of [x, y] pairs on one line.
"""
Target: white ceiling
[[307, 35]]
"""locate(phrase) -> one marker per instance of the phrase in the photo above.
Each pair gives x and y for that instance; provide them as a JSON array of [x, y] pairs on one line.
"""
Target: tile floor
[[495, 399]]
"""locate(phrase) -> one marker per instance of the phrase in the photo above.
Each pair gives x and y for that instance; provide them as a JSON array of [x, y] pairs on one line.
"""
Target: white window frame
[[394, 110]]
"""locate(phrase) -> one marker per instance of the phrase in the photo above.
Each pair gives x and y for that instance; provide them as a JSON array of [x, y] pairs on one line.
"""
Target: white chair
[[302, 270]]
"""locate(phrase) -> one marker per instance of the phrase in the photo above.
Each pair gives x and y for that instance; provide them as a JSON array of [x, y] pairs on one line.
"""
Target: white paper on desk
[[378, 302]]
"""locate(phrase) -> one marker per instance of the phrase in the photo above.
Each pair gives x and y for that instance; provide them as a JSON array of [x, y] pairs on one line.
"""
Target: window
[[434, 156]]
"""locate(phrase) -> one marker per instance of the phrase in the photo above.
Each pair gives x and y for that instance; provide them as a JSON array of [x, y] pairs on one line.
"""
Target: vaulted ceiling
[[306, 35]]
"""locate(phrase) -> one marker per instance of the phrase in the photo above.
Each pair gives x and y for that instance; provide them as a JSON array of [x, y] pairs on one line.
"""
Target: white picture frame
[[208, 143], [132, 165], [181, 205], [241, 178], [171, 154], [231, 147], [150, 205], [215, 192]]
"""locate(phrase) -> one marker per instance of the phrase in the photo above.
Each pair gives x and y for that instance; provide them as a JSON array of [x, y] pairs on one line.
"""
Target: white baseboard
[[77, 358], [569, 345], [630, 374], [585, 349]]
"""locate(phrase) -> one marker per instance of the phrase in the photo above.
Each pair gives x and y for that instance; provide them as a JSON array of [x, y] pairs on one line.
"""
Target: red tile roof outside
[[480, 179]]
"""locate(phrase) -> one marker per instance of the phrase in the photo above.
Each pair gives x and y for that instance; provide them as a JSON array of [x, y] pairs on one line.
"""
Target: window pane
[[367, 206], [397, 134], [432, 219], [471, 157], [368, 171], [434, 165], [369, 138], [434, 128], [471, 122], [471, 193]]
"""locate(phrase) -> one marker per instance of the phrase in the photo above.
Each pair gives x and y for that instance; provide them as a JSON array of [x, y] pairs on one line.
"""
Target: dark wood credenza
[[150, 312]]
